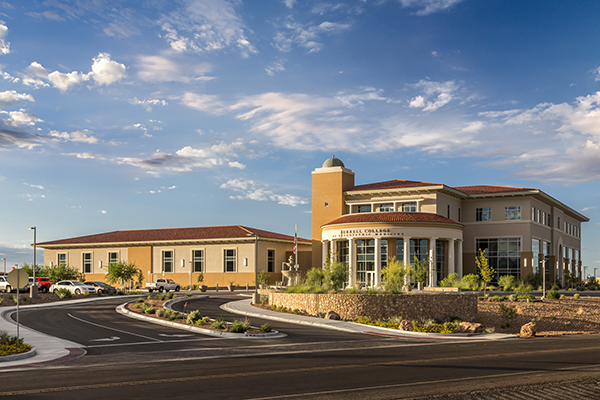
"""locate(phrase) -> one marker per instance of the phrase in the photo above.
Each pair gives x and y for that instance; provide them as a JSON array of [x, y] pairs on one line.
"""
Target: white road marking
[[175, 335], [109, 339], [113, 329]]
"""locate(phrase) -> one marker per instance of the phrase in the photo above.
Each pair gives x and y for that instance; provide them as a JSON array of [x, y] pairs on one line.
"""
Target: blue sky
[[149, 114]]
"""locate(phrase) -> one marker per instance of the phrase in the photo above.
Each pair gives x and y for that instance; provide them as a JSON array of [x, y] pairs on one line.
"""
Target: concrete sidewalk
[[244, 307]]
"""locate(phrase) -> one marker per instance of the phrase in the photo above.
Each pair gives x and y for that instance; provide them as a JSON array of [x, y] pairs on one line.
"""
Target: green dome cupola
[[333, 162]]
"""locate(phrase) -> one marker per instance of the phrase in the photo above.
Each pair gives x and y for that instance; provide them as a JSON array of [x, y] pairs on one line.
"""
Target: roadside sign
[[18, 278]]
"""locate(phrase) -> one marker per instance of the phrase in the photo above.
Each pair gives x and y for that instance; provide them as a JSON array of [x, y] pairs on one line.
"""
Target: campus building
[[224, 254], [522, 231]]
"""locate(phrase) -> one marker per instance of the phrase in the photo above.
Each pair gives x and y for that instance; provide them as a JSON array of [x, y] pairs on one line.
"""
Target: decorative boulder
[[470, 327], [332, 315], [528, 330], [405, 325]]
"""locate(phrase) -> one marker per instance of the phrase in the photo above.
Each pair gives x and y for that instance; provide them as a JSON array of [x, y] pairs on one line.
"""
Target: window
[[544, 217], [533, 213], [198, 260], [384, 257], [87, 263], [229, 260], [459, 214], [549, 220], [418, 248], [113, 258], [558, 224], [167, 261], [344, 251], [538, 215], [448, 211], [535, 249], [440, 251], [512, 213], [400, 250], [365, 262], [504, 255], [483, 214], [270, 260], [62, 259], [409, 207], [364, 209], [386, 207]]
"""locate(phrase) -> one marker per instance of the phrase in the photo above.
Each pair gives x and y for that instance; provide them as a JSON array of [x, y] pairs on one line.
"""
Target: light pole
[[4, 259], [255, 298], [33, 289]]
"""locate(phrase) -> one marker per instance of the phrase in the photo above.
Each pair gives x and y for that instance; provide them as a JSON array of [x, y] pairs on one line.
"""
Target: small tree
[[62, 272], [485, 269], [420, 272], [122, 272], [263, 278], [393, 275], [336, 274], [40, 270]]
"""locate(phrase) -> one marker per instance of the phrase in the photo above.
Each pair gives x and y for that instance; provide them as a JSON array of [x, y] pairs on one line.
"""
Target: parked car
[[43, 283], [74, 287], [4, 285], [101, 287]]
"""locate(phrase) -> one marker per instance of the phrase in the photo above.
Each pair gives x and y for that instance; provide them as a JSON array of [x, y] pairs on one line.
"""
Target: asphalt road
[[151, 360]]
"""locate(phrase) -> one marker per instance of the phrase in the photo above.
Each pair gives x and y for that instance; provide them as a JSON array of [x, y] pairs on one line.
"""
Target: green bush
[[315, 277], [64, 293], [470, 282], [451, 280], [553, 294], [170, 295], [507, 313], [149, 310], [240, 326], [576, 295], [266, 328], [507, 282], [219, 324], [562, 296], [263, 278], [188, 294], [162, 312], [202, 321], [193, 317], [353, 290], [431, 326], [393, 276]]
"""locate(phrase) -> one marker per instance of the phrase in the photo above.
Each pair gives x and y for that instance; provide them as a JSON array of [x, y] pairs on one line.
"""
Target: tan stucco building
[[224, 254], [521, 230]]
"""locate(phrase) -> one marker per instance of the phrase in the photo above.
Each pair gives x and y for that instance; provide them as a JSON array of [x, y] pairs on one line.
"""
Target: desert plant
[[562, 296], [372, 290], [553, 294], [576, 295], [394, 275], [420, 271], [193, 317], [239, 326], [451, 280], [149, 310], [121, 272], [353, 290], [487, 272], [218, 323], [263, 278], [170, 295], [162, 312], [64, 293], [266, 328], [470, 282], [507, 282], [62, 272]]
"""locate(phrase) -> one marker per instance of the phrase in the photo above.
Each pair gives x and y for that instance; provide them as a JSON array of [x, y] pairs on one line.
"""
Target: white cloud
[[165, 69], [34, 186], [473, 127], [434, 96], [21, 117], [4, 45], [596, 72], [10, 97], [204, 26], [102, 211], [83, 136], [251, 190], [202, 102], [584, 209], [275, 67], [292, 33], [289, 3], [148, 103], [104, 71], [427, 7], [358, 99], [235, 164], [12, 137]]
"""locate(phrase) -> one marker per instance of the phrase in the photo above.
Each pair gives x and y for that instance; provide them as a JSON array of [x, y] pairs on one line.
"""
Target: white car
[[74, 287], [4, 285]]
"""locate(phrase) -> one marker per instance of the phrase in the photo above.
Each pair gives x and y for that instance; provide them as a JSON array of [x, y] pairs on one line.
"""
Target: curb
[[372, 330], [20, 356], [124, 311]]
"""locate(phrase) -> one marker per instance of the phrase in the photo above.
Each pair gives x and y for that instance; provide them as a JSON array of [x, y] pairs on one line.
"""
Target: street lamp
[[255, 264], [4, 259], [33, 289]]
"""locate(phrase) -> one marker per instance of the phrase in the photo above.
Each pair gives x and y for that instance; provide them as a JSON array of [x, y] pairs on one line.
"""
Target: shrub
[[149, 310], [353, 290], [170, 295], [513, 297], [193, 317], [394, 276], [315, 277], [136, 306], [218, 323], [240, 326], [64, 293], [576, 295], [300, 288], [140, 300], [507, 313], [162, 312], [498, 298], [524, 287], [188, 294], [451, 280], [372, 290], [161, 296], [507, 282], [562, 296], [263, 278], [470, 282], [429, 325], [266, 328], [553, 294], [528, 297], [202, 321]]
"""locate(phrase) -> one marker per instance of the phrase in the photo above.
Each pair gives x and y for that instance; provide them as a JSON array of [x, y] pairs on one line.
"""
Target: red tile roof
[[391, 217], [395, 184], [178, 234], [490, 189]]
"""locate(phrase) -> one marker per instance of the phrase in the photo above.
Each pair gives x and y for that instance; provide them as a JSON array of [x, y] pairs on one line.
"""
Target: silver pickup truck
[[163, 285]]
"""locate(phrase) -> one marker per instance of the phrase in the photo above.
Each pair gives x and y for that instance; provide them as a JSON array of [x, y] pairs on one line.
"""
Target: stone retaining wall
[[378, 306]]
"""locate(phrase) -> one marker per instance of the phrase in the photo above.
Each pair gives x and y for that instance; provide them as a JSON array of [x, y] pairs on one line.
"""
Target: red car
[[43, 283]]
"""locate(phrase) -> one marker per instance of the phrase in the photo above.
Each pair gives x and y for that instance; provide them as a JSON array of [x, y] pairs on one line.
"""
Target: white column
[[406, 259], [325, 253], [334, 249], [432, 273], [377, 281], [451, 263], [351, 261], [459, 258]]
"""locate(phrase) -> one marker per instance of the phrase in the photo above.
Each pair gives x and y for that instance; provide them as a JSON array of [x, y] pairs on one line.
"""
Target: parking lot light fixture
[[33, 288], [4, 259]]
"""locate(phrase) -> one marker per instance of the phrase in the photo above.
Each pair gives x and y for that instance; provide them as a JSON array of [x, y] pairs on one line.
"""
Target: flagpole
[[296, 247]]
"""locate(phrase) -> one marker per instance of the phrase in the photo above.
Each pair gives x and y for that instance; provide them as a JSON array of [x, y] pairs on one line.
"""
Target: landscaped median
[[13, 348], [159, 310]]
